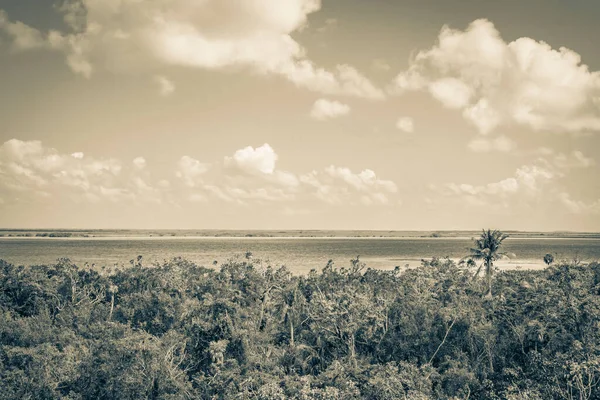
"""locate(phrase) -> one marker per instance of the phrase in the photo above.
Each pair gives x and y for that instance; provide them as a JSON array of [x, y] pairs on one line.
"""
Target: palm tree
[[487, 249]]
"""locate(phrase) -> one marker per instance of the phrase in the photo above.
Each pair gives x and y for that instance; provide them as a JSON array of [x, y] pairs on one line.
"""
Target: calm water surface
[[298, 254]]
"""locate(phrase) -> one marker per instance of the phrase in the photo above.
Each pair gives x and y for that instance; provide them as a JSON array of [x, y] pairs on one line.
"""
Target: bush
[[177, 330]]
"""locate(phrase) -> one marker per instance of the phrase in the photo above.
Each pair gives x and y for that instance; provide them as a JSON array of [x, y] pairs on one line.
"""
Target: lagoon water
[[300, 255]]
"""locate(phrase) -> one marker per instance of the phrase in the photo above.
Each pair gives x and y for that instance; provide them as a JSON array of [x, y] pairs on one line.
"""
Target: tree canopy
[[176, 330]]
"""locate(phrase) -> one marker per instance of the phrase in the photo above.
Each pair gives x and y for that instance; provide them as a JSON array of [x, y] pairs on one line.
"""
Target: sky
[[300, 114]]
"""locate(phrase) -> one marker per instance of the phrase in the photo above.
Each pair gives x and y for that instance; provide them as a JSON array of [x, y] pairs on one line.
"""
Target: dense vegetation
[[249, 331]]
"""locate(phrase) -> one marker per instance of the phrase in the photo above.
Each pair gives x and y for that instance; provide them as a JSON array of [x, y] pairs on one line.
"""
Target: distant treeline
[[249, 331], [43, 234], [288, 233]]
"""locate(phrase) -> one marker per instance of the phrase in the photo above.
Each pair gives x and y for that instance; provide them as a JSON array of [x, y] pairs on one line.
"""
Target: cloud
[[191, 171], [532, 184], [363, 181], [578, 206], [126, 36], [327, 109], [339, 185], [22, 36], [575, 160], [330, 24], [260, 160], [495, 83], [344, 80], [405, 124], [451, 92], [165, 86], [486, 145], [32, 171], [380, 64], [251, 176], [139, 162]]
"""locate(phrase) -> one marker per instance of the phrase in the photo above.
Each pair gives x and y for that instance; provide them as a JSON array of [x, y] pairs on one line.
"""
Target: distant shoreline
[[250, 238], [272, 234]]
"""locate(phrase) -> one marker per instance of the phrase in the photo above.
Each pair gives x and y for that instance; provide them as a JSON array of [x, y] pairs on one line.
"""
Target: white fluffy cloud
[[326, 109], [495, 83], [260, 160], [451, 92], [133, 35], [405, 124]]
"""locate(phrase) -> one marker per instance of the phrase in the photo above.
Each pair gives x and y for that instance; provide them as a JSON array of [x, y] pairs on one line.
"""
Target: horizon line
[[296, 230]]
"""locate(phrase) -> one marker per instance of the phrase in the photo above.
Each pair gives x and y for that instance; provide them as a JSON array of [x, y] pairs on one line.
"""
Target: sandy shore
[[505, 264]]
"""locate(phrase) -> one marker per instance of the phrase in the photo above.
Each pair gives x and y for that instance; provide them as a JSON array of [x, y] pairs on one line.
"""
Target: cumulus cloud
[[212, 34], [326, 109], [502, 144], [260, 160], [495, 83], [405, 124], [451, 92]]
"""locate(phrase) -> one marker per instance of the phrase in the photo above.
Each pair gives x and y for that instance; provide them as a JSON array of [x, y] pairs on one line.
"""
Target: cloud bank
[[532, 186], [31, 172]]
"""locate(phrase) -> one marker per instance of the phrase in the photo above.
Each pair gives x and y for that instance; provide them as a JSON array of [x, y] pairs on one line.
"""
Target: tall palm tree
[[487, 249]]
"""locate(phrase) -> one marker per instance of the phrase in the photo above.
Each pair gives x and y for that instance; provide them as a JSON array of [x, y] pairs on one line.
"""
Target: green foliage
[[176, 330]]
